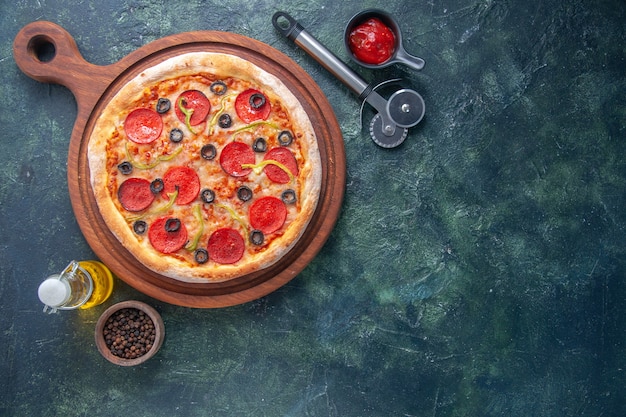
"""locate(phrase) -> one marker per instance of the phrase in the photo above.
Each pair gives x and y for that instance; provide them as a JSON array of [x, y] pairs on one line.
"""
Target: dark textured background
[[477, 270]]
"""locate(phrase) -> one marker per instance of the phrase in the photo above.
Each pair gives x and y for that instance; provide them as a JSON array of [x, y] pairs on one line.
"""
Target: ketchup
[[372, 42]]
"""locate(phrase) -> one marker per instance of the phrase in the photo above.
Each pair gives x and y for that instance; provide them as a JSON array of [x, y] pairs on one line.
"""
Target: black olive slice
[[156, 186], [172, 225], [125, 167], [176, 135], [225, 121], [244, 193], [140, 227], [289, 196], [256, 237], [219, 88], [163, 105], [201, 256], [207, 195], [208, 152], [257, 100], [259, 145], [285, 138]]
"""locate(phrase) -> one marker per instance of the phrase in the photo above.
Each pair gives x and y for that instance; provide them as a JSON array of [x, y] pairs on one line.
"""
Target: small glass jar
[[81, 284]]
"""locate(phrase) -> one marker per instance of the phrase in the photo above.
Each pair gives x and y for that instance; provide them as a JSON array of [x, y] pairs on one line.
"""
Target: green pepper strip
[[187, 112], [162, 158], [233, 215], [197, 211], [218, 114], [158, 210], [258, 168], [254, 125]]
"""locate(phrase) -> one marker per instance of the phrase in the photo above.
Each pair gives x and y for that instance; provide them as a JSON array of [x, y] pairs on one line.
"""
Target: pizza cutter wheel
[[404, 109], [385, 138]]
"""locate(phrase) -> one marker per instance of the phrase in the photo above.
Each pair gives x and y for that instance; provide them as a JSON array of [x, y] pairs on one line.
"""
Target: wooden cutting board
[[47, 53]]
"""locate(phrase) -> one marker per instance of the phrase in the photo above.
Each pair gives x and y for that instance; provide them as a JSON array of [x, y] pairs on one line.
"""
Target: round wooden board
[[94, 86]]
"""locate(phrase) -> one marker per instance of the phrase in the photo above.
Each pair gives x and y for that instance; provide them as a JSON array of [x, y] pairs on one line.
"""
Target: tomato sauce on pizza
[[205, 167]]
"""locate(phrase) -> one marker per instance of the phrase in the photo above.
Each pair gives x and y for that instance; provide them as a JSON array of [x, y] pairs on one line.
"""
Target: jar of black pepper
[[129, 333]]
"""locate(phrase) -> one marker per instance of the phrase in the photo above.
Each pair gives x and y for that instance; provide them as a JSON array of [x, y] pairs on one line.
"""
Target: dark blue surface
[[477, 270]]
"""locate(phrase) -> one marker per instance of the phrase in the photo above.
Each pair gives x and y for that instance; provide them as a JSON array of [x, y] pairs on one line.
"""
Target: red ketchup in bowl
[[372, 42]]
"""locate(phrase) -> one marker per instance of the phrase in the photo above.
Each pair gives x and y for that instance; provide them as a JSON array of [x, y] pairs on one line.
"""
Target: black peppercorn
[[121, 337]]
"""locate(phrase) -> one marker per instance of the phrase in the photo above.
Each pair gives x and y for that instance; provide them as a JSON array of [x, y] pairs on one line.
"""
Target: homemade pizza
[[205, 167]]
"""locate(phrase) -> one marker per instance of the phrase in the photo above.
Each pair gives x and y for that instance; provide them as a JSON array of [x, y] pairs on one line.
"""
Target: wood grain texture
[[94, 86]]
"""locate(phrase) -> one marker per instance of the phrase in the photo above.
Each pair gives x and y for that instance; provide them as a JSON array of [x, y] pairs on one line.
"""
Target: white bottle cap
[[53, 292]]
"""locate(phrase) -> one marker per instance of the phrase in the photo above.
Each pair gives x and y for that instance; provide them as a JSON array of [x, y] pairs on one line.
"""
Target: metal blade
[[406, 107], [383, 140]]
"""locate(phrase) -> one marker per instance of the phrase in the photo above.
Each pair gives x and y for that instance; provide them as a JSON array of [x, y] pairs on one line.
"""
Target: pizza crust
[[110, 120]]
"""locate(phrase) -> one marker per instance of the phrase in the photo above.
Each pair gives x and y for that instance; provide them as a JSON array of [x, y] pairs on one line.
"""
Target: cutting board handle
[[48, 53]]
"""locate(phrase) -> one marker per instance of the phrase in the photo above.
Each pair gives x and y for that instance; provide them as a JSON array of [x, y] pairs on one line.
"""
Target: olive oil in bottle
[[82, 285], [102, 282]]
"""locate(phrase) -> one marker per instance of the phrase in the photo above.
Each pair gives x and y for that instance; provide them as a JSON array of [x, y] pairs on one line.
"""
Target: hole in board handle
[[42, 48]]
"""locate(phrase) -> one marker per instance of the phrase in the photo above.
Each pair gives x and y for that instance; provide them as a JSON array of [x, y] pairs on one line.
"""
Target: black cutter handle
[[292, 28]]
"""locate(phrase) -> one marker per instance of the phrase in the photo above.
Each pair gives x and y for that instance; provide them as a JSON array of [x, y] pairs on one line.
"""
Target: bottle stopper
[[53, 292]]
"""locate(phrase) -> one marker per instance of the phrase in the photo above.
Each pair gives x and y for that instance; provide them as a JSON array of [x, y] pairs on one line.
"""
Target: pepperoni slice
[[286, 158], [226, 246], [164, 240], [267, 214], [187, 182], [252, 105], [143, 125], [134, 194], [233, 156], [193, 100]]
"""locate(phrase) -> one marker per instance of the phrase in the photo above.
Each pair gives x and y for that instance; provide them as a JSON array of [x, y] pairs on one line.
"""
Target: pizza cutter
[[402, 110]]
